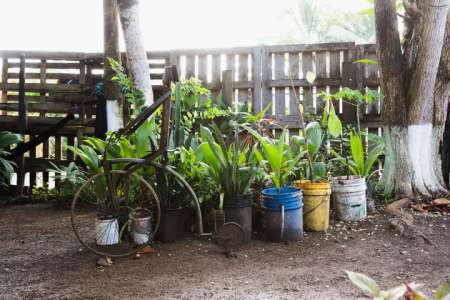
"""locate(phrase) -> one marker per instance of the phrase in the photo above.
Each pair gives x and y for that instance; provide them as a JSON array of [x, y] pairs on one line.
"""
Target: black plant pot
[[239, 210], [168, 229]]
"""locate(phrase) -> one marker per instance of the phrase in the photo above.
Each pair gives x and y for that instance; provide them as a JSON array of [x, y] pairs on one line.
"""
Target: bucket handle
[[282, 223], [315, 207]]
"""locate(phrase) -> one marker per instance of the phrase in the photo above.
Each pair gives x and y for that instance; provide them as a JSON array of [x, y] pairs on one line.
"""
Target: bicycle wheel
[[117, 222]]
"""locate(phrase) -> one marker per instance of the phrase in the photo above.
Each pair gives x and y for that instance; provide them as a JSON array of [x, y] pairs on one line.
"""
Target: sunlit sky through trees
[[67, 25]]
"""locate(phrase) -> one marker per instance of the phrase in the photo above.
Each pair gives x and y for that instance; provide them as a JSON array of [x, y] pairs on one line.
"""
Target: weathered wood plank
[[190, 66], [280, 92], [321, 72], [243, 76], [293, 74], [215, 76], [36, 87], [257, 80], [307, 66]]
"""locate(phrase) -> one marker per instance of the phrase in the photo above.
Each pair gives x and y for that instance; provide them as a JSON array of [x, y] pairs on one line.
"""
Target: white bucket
[[142, 228], [107, 232], [349, 195]]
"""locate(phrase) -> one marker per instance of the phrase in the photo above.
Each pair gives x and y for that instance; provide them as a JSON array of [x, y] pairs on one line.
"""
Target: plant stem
[[302, 123]]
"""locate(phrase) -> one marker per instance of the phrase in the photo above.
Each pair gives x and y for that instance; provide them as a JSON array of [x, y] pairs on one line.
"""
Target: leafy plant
[[358, 163], [315, 140], [229, 166], [406, 291], [7, 139], [69, 179], [134, 96], [276, 157]]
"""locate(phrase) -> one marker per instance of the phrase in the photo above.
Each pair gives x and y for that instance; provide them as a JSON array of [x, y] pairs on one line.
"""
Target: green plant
[[43, 194], [7, 139], [134, 96], [229, 166], [69, 179], [315, 137], [359, 163], [405, 291], [350, 96], [276, 157]]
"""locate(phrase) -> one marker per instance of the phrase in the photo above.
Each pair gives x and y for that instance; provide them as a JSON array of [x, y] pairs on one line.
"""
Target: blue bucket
[[283, 216]]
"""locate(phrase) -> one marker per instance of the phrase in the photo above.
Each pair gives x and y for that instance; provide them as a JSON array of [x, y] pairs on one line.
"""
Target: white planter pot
[[349, 197], [142, 228], [107, 232]]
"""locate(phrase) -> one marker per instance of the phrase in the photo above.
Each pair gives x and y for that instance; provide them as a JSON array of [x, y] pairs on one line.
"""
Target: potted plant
[[349, 192], [231, 168], [283, 218], [316, 189]]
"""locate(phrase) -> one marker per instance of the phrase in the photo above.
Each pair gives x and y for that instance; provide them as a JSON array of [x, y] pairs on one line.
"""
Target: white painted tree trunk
[[114, 109], [136, 54], [412, 164], [114, 116]]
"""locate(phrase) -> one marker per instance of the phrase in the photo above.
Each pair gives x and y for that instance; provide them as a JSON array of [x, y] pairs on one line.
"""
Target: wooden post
[[23, 125], [227, 87], [266, 74], [257, 80]]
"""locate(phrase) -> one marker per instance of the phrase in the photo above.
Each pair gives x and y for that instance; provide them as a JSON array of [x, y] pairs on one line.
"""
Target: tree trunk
[[136, 54], [415, 88], [113, 105]]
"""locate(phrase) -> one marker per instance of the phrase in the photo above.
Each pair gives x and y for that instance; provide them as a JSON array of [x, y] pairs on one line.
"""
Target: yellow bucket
[[316, 204]]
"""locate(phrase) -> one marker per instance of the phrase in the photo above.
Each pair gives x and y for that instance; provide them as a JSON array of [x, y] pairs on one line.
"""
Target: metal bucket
[[349, 196], [316, 204], [142, 228], [283, 214], [106, 232]]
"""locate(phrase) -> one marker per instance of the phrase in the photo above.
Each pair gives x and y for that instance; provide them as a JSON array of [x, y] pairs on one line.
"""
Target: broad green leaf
[[364, 282], [314, 134], [334, 123], [357, 151], [366, 61]]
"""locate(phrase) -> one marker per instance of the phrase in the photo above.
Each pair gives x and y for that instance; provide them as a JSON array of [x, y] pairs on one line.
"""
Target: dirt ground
[[40, 258]]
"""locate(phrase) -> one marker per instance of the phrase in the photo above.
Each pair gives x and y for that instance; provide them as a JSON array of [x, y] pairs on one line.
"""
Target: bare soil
[[40, 258]]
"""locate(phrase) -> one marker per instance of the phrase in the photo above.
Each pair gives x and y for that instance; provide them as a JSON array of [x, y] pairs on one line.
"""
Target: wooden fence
[[58, 83]]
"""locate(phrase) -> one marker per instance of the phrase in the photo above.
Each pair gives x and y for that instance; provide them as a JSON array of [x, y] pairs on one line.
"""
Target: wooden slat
[[215, 76], [321, 72], [4, 79], [280, 101], [243, 76], [62, 98], [70, 142], [49, 65], [202, 68], [257, 80], [293, 74], [36, 87], [335, 64], [266, 74], [309, 47], [190, 66], [307, 66]]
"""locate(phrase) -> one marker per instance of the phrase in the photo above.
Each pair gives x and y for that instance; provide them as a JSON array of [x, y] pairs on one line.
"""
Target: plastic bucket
[[283, 214], [106, 232], [239, 210], [316, 204], [349, 196], [142, 228], [168, 229]]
